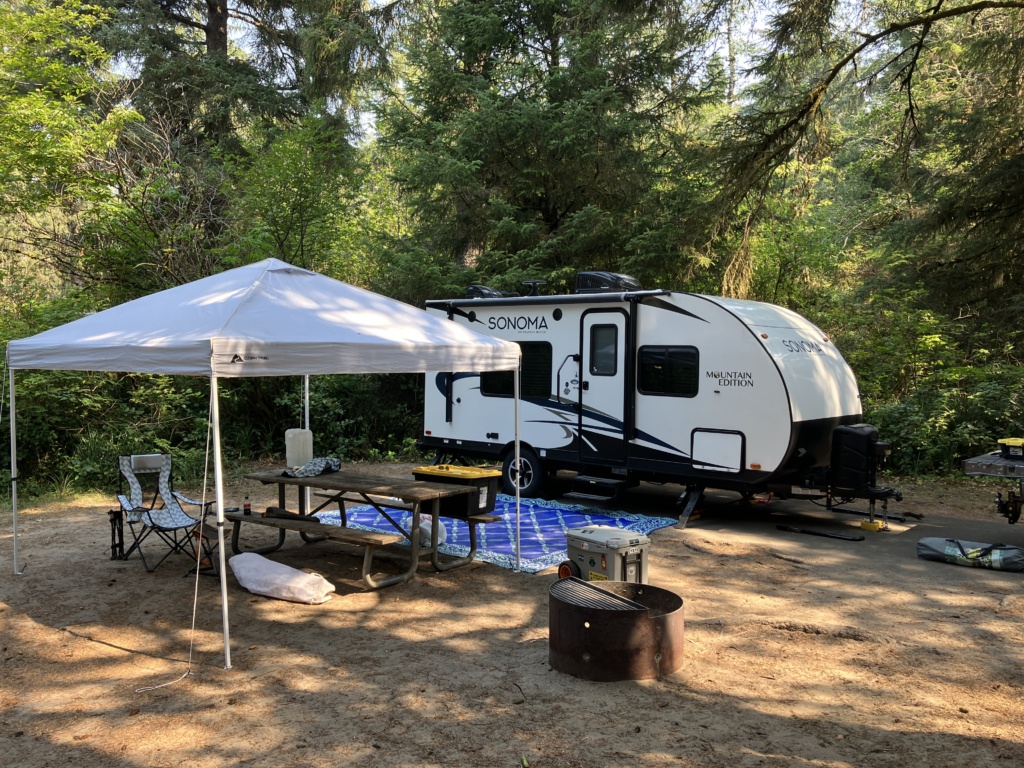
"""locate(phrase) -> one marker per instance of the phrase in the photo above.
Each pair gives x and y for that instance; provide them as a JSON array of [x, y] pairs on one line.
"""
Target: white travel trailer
[[621, 385]]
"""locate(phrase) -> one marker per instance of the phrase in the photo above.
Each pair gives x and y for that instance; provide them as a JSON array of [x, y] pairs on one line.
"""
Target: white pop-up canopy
[[264, 319]]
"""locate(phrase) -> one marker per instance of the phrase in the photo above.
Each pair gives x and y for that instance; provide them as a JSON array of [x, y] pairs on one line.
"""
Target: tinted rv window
[[603, 343], [536, 380], [668, 371]]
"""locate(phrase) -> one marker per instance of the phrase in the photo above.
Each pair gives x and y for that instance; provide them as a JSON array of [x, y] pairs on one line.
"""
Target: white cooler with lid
[[605, 553]]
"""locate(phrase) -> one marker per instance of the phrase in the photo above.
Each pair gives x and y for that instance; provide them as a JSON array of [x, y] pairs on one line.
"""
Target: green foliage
[[932, 386], [368, 417], [537, 138], [244, 151], [73, 425], [186, 78], [51, 88], [288, 195], [953, 415], [164, 225], [968, 171]]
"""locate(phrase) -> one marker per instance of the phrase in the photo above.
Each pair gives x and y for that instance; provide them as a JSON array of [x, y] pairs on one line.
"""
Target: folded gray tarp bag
[[1000, 557]]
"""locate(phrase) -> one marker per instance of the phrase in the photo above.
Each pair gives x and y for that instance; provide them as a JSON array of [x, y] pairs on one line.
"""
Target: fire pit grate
[[586, 595]]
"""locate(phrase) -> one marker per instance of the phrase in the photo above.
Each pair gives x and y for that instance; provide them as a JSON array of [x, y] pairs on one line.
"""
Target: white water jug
[[298, 447]]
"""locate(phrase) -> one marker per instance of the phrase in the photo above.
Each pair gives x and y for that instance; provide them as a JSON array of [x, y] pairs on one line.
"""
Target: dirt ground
[[799, 651]]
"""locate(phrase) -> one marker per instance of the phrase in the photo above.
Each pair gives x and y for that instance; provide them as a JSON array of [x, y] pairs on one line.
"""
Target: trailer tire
[[532, 473]]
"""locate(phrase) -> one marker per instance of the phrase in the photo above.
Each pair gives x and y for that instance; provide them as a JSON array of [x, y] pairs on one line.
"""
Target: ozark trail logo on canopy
[[236, 358]]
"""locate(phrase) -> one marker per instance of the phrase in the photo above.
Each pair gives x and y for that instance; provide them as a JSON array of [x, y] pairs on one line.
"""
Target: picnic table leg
[[311, 539], [460, 561], [281, 502], [414, 554], [344, 520], [237, 549]]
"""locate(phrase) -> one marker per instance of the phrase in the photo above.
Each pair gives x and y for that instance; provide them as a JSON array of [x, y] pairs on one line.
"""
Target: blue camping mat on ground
[[541, 530]]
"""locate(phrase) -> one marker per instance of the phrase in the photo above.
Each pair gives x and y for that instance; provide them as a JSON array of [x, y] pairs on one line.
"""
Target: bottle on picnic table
[[246, 507]]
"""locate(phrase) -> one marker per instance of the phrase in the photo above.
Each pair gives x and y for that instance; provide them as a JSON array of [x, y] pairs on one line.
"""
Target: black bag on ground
[[999, 557]]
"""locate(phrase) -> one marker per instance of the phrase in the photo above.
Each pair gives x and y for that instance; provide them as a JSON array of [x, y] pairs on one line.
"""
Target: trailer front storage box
[[485, 480], [605, 553]]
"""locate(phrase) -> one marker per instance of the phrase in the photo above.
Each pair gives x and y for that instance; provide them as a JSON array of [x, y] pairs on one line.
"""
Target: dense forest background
[[859, 162]]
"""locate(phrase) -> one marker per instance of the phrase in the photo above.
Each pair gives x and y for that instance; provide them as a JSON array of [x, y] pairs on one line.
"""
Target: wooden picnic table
[[382, 493]]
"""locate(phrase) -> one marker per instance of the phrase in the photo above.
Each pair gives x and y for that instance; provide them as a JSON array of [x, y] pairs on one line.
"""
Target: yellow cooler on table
[[485, 480]]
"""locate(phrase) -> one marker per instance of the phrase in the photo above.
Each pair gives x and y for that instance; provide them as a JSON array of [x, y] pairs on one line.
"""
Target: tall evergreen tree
[[282, 58], [539, 137], [940, 86], [968, 172], [219, 83]]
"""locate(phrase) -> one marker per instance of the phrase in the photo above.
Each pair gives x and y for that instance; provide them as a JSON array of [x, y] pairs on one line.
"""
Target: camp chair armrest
[[126, 506], [131, 512], [193, 502]]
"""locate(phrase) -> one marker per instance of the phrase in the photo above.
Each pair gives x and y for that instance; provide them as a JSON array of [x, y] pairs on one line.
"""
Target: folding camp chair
[[170, 523]]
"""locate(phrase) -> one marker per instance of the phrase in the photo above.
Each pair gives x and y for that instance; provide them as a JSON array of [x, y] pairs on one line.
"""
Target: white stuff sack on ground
[[426, 527], [265, 577]]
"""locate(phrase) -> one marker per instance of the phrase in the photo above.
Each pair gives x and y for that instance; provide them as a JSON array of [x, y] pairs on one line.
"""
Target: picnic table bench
[[313, 530]]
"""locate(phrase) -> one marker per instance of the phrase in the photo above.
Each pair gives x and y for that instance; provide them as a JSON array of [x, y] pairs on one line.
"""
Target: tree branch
[[773, 146], [175, 16]]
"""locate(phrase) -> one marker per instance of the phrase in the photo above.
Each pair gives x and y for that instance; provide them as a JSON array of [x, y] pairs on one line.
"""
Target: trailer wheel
[[531, 476]]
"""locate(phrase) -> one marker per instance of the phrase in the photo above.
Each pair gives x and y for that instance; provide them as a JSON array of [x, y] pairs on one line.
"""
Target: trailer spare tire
[[532, 473]]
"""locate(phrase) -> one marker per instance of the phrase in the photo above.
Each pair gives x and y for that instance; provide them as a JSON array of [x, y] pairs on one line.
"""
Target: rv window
[[603, 349], [536, 381], [669, 371]]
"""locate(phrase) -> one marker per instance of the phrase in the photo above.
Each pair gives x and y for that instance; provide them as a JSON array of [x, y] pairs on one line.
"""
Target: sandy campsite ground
[[799, 651]]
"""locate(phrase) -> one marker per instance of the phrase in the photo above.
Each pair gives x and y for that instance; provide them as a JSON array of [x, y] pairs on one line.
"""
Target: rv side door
[[602, 386]]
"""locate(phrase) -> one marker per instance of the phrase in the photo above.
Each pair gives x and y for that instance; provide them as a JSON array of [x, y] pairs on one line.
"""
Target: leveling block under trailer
[[623, 385]]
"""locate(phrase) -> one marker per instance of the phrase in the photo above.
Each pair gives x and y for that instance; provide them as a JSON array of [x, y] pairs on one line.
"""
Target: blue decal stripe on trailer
[[649, 438], [439, 379], [616, 426]]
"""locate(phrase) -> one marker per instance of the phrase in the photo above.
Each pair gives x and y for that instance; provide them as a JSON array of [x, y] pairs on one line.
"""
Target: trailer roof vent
[[605, 282]]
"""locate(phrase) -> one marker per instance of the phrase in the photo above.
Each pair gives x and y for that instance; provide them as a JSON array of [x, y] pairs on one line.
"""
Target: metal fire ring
[[615, 630]]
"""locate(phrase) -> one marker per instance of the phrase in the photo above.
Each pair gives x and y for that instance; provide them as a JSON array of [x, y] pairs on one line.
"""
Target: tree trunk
[[217, 27]]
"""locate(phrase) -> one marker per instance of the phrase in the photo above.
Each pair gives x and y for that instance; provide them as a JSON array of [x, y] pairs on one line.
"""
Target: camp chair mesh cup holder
[[170, 522]]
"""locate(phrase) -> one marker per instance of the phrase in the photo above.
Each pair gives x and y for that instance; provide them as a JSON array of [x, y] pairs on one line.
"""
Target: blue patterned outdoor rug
[[541, 530]]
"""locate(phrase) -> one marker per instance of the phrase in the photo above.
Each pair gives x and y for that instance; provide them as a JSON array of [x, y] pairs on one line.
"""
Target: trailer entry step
[[586, 487]]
